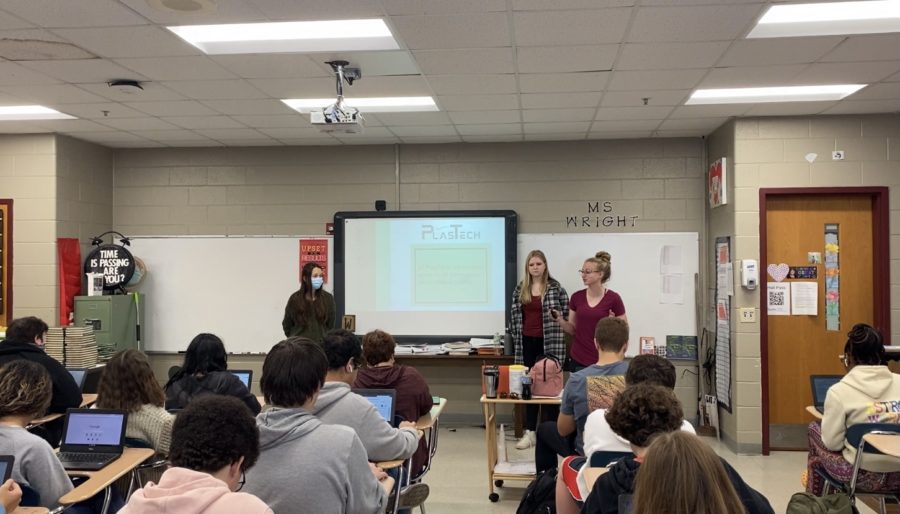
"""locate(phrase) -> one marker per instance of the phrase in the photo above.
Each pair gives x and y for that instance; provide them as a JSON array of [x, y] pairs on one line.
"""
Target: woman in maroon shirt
[[587, 307]]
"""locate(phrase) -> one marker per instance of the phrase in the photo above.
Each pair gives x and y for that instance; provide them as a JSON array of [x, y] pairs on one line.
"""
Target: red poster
[[314, 250], [716, 183]]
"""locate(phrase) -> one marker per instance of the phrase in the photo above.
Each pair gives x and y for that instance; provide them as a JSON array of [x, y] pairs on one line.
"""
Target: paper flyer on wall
[[805, 298], [778, 299]]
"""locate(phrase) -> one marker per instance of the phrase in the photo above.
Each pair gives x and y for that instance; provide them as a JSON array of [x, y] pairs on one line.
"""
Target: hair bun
[[604, 256], [859, 333]]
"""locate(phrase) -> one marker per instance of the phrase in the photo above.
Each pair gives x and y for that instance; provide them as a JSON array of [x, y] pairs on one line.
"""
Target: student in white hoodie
[[214, 442], [868, 393]]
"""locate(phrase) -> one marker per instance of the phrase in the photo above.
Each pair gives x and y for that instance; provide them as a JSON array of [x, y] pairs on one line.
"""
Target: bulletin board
[[234, 287], [654, 273]]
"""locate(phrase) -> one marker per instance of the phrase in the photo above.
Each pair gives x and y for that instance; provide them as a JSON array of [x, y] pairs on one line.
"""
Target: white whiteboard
[[636, 276], [234, 287]]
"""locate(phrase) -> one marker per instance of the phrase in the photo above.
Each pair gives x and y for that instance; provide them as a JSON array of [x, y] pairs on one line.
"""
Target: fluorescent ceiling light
[[745, 95], [872, 17], [386, 104], [293, 36], [31, 112]]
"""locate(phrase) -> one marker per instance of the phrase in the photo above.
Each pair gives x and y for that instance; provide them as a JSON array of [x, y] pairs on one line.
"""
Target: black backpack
[[540, 497]]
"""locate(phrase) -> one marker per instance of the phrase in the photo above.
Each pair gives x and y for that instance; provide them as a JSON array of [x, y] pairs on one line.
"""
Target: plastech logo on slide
[[449, 233]]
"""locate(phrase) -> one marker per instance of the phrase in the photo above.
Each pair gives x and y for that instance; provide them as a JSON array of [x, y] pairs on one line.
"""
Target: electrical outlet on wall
[[837, 155], [748, 314]]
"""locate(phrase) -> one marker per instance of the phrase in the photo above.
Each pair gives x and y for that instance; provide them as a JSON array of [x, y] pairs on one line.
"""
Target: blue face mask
[[317, 282]]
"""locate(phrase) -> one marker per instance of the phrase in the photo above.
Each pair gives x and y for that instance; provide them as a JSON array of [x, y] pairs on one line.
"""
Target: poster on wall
[[314, 250], [723, 323], [716, 183]]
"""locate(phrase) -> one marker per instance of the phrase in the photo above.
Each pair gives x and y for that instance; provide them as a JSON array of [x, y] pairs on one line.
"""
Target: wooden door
[[800, 345]]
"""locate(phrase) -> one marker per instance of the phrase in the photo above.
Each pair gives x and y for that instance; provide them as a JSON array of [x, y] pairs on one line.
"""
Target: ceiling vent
[[126, 86], [183, 6]]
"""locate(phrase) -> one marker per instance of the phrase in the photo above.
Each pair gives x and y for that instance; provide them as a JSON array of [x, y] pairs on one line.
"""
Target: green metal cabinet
[[115, 319]]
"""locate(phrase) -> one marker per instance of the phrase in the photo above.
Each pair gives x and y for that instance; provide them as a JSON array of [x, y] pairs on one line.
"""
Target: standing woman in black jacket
[[205, 371]]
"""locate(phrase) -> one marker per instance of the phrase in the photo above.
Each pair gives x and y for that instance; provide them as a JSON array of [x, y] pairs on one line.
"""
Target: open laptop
[[92, 438], [820, 386], [6, 466], [246, 375], [384, 401], [79, 374]]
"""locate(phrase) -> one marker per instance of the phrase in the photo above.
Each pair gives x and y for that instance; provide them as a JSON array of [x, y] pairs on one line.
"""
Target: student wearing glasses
[[587, 307], [214, 442]]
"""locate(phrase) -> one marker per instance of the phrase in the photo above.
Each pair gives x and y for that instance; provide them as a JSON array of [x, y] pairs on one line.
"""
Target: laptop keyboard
[[84, 457]]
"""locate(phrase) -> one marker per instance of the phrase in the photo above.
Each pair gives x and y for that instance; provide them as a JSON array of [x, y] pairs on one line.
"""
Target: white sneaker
[[527, 441]]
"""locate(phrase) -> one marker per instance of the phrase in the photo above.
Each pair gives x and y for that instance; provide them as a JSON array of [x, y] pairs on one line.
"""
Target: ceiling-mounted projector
[[339, 117]]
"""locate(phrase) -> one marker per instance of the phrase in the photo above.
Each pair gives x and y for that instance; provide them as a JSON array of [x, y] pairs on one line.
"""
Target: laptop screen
[[382, 400], [78, 375], [820, 386], [94, 428], [244, 375]]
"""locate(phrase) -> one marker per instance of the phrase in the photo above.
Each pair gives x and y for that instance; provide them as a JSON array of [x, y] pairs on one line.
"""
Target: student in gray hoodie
[[338, 405], [304, 465]]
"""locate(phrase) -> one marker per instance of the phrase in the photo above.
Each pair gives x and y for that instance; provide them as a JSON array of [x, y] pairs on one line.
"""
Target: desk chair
[[854, 437], [136, 479]]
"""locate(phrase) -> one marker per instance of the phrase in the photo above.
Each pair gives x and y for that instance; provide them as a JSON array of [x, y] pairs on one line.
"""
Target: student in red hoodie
[[214, 442], [381, 372]]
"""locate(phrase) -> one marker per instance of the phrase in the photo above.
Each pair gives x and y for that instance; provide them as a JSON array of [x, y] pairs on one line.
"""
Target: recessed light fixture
[[31, 112], [824, 19], [292, 36], [386, 104], [746, 95]]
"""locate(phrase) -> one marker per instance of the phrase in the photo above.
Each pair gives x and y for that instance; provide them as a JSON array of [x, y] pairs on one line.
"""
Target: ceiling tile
[[296, 132], [563, 82], [330, 141], [411, 118], [704, 124], [477, 61], [635, 134], [540, 5], [272, 65], [633, 113], [692, 23], [286, 121], [226, 134], [477, 102], [472, 84], [871, 47], [657, 79], [430, 140], [111, 136], [550, 136], [152, 92], [216, 89], [424, 130], [788, 108], [893, 78], [566, 58], [51, 94], [226, 11], [112, 42], [101, 110], [72, 126], [489, 129], [176, 108], [202, 122], [394, 7], [477, 117], [669, 56], [82, 70], [399, 62], [864, 106], [559, 100], [324, 87], [190, 143], [567, 127], [710, 111], [770, 51], [37, 45], [541, 115], [636, 98], [750, 76], [12, 74], [576, 27], [846, 72], [318, 9], [145, 123], [177, 68], [680, 133], [625, 125], [249, 107], [10, 22], [166, 135], [885, 91], [453, 31], [80, 13], [492, 138]]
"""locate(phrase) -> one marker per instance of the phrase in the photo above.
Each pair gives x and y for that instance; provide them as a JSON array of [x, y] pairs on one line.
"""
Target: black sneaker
[[413, 495]]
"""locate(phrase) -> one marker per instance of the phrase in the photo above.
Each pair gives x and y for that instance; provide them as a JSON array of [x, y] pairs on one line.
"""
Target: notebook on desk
[[92, 438], [820, 386], [384, 401], [245, 375], [78, 374]]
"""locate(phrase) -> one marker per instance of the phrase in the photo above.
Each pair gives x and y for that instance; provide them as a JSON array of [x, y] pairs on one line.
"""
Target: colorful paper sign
[[314, 250]]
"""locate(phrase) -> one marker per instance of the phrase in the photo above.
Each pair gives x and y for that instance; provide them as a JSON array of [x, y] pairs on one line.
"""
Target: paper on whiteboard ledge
[[670, 260], [671, 288]]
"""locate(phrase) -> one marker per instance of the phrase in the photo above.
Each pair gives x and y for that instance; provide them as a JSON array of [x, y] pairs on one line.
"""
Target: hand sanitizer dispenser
[[749, 274]]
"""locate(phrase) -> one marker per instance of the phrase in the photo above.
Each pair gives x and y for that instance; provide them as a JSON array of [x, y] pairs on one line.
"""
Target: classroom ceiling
[[499, 70]]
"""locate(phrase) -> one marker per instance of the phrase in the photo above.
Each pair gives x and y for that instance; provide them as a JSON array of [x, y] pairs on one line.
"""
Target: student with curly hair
[[25, 392], [868, 393], [205, 371], [128, 383], [214, 442]]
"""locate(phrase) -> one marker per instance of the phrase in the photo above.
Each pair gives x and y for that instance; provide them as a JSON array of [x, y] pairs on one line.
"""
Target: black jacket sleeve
[[754, 502], [234, 387], [66, 393]]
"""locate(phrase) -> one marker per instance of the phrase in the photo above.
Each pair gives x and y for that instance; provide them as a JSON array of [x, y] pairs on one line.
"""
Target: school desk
[[888, 444], [86, 401], [103, 479]]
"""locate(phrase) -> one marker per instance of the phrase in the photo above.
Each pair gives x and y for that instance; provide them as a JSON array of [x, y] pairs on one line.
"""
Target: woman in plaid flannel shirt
[[534, 331]]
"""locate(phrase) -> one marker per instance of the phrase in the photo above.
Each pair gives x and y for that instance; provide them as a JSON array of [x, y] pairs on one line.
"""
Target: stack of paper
[[457, 348], [75, 347]]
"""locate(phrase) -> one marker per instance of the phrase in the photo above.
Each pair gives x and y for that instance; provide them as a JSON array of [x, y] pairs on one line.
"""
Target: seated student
[[868, 393], [203, 372], [598, 436], [25, 340], [25, 392], [413, 397], [10, 496], [214, 442], [303, 463], [128, 384], [701, 484], [639, 414], [337, 405], [564, 437]]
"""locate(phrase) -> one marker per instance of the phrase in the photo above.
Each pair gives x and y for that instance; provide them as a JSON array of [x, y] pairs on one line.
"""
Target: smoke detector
[[126, 86], [183, 6]]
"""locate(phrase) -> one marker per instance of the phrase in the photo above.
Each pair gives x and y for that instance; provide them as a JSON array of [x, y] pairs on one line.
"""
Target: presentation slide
[[426, 276]]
